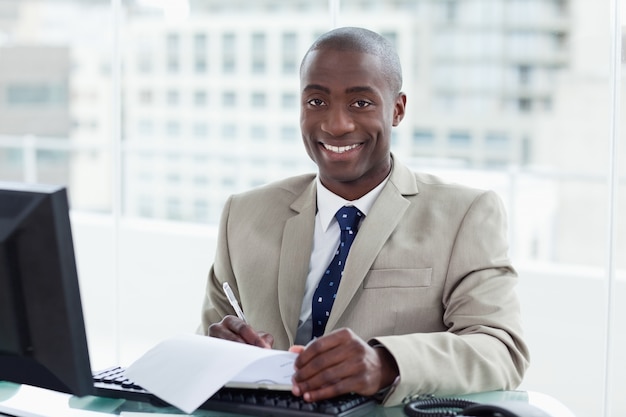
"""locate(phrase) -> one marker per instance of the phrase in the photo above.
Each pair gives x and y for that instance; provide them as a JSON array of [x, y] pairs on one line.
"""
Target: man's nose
[[338, 122]]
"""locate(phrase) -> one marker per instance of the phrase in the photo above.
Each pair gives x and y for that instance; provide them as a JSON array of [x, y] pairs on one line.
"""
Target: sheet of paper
[[272, 372], [186, 370]]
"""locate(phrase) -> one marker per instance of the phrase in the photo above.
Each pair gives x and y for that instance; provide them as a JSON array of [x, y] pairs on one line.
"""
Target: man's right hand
[[237, 330]]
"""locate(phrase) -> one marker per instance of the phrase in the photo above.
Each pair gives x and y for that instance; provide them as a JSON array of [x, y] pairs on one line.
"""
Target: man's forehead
[[338, 62], [338, 54]]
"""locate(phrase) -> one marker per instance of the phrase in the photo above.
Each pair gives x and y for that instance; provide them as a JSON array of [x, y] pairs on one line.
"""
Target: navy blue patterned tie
[[348, 218]]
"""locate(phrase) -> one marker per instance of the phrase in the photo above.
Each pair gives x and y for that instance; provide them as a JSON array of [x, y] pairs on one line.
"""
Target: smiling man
[[408, 290]]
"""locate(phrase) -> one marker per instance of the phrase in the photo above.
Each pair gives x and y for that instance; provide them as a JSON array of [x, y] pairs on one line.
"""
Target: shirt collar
[[328, 202]]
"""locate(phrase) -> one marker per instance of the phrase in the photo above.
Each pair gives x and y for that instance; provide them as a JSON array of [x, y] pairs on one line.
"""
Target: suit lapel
[[382, 219], [294, 259]]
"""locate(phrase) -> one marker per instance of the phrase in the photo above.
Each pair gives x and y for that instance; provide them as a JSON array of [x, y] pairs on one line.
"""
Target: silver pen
[[233, 302]]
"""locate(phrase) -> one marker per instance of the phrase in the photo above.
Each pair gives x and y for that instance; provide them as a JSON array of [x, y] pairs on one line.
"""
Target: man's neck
[[353, 190]]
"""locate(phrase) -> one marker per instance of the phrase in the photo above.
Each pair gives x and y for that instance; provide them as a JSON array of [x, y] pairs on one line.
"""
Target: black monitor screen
[[42, 332]]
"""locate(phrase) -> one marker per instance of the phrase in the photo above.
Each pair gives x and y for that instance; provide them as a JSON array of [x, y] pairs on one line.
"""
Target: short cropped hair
[[362, 40]]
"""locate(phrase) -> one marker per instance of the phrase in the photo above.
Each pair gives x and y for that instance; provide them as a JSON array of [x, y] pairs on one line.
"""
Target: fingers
[[234, 329], [323, 353], [332, 382], [336, 364], [266, 339], [296, 349]]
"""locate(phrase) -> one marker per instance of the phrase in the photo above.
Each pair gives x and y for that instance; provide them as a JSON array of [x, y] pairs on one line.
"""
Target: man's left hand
[[340, 363]]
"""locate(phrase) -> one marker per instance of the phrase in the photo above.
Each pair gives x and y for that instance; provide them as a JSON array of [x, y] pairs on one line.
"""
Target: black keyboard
[[255, 402]]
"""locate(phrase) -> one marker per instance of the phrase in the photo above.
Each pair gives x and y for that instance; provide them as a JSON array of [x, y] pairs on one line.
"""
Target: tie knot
[[348, 217]]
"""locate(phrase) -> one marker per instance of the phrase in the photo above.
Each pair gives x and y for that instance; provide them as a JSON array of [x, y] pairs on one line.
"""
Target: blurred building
[[34, 98], [211, 105]]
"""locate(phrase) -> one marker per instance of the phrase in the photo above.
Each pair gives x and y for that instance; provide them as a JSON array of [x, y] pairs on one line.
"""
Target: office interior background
[[152, 112]]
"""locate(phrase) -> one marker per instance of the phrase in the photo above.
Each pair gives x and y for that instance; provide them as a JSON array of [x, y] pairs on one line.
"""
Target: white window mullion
[[612, 179], [116, 159]]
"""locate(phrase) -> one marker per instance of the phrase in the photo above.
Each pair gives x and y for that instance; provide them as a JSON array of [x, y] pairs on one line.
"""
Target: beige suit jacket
[[427, 276]]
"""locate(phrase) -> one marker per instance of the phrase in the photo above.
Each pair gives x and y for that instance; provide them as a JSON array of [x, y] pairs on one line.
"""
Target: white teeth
[[340, 149]]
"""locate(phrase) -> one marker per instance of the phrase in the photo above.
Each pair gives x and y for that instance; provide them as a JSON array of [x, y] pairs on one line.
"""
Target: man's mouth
[[340, 149]]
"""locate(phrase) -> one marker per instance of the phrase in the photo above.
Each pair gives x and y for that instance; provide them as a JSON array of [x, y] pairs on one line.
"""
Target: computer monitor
[[42, 332]]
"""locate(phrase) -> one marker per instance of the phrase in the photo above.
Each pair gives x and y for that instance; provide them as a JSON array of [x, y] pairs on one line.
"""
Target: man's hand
[[237, 330], [340, 363]]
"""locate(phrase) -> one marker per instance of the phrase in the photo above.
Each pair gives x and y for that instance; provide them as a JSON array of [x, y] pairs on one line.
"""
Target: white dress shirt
[[325, 243]]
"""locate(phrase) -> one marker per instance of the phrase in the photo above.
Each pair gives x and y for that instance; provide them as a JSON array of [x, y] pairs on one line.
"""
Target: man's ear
[[399, 108]]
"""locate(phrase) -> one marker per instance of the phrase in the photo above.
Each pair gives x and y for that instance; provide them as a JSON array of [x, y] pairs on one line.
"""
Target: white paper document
[[186, 370]]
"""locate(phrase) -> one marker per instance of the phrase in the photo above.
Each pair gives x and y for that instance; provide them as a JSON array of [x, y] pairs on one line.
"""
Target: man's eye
[[361, 103], [316, 102]]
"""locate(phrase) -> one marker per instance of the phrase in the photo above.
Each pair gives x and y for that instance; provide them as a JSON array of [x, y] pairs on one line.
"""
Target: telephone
[[455, 407]]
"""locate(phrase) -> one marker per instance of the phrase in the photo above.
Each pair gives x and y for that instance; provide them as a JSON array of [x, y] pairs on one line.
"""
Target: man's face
[[346, 115]]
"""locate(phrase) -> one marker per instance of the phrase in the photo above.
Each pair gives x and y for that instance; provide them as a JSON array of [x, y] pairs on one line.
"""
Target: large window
[[152, 113]]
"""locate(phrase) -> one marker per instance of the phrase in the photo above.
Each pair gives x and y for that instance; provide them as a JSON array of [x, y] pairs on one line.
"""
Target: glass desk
[[26, 401]]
